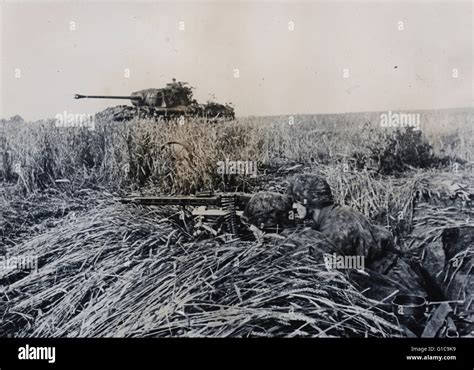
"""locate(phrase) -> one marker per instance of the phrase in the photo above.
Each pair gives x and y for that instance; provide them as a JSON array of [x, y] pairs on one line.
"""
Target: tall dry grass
[[175, 158], [117, 271], [183, 158], [124, 271]]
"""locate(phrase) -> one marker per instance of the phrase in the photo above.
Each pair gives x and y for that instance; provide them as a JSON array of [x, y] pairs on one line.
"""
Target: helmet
[[268, 210], [311, 190]]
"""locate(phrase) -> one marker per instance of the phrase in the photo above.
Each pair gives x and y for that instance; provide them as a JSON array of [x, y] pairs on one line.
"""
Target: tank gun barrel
[[78, 96]]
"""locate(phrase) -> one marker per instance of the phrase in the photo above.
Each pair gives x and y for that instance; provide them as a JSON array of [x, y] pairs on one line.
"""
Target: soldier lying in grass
[[347, 230], [341, 230]]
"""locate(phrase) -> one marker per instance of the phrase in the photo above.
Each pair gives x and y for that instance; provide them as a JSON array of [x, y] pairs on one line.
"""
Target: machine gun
[[210, 212], [213, 213]]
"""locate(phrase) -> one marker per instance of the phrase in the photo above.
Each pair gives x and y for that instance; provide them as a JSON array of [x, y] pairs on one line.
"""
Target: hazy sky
[[281, 71]]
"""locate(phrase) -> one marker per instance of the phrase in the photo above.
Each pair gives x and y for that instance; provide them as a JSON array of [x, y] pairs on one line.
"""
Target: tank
[[171, 102]]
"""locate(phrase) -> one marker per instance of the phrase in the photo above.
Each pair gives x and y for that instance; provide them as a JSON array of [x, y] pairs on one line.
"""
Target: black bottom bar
[[245, 353]]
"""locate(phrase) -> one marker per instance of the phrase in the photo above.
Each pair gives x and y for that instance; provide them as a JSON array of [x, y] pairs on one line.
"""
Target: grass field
[[105, 269]]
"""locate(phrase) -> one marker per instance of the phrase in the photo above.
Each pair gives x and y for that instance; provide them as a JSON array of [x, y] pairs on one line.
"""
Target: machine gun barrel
[[240, 199]]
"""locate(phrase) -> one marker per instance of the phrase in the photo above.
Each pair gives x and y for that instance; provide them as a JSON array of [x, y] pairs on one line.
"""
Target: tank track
[[123, 113]]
